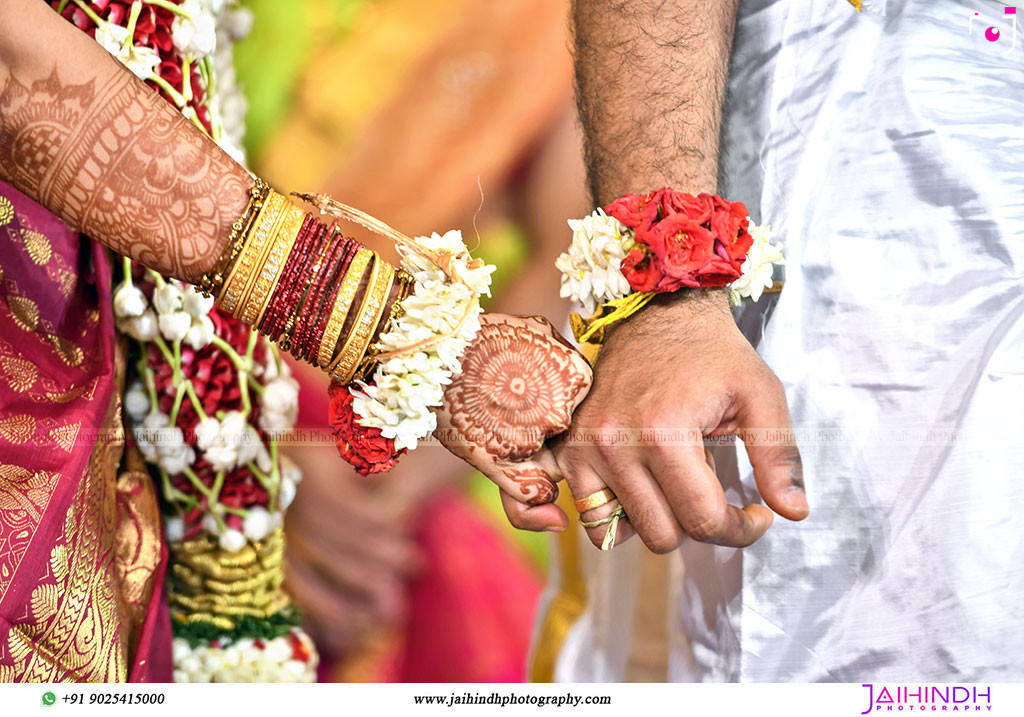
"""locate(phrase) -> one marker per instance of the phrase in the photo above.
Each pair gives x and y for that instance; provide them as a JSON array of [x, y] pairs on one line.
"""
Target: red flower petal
[[364, 448]]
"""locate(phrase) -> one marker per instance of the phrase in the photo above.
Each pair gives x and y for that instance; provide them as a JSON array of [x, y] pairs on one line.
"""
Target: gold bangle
[[404, 280], [342, 304], [212, 281], [370, 312], [238, 278], [269, 272], [261, 252]]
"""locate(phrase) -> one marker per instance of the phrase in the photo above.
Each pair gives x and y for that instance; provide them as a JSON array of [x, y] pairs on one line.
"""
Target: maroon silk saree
[[81, 553]]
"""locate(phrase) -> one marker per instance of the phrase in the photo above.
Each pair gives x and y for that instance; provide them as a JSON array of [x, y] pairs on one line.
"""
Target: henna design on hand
[[519, 385], [535, 484], [112, 158], [517, 388]]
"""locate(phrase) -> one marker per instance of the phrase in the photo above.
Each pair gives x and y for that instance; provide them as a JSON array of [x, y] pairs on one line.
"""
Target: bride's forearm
[[88, 140]]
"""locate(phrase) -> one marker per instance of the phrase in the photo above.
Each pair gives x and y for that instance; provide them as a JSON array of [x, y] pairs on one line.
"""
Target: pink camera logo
[[993, 34]]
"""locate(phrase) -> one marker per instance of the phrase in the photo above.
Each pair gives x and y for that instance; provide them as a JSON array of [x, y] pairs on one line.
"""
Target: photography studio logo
[[884, 698], [993, 33]]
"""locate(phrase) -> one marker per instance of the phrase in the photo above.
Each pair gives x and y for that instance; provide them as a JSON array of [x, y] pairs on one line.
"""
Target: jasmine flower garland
[[420, 352]]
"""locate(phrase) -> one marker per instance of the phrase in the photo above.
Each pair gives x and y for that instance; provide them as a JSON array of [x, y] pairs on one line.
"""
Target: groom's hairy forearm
[[89, 141], [650, 78]]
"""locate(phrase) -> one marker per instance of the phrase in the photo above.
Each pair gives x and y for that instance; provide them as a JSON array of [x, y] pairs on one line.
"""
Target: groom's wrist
[[674, 316]]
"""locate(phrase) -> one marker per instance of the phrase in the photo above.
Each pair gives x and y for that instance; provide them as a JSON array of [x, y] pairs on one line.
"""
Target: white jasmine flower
[[174, 327], [142, 328], [286, 493], [168, 298], [295, 669], [142, 61], [274, 422], [231, 540], [173, 454], [244, 661], [290, 471], [147, 434], [592, 268], [195, 31], [257, 524], [136, 402], [210, 525], [220, 440], [281, 394], [174, 528], [238, 22], [280, 404], [269, 372], [200, 333], [249, 445], [406, 388], [221, 457], [758, 267], [190, 665], [277, 650], [180, 648], [129, 301], [195, 304], [263, 459], [232, 427], [207, 433]]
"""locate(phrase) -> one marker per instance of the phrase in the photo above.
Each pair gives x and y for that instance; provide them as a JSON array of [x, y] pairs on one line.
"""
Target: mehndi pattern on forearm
[[111, 158]]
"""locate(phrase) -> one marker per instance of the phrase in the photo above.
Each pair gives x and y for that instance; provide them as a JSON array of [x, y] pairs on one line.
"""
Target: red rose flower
[[170, 72], [698, 208], [682, 240], [641, 270], [146, 24], [633, 210], [681, 248], [720, 271], [162, 39], [365, 449], [727, 221], [212, 373], [737, 249]]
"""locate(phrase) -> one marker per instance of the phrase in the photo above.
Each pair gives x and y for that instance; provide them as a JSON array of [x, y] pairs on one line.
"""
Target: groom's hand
[[681, 367], [519, 385]]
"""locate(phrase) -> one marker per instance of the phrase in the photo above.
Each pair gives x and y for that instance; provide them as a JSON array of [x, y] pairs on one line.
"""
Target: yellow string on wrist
[[590, 332]]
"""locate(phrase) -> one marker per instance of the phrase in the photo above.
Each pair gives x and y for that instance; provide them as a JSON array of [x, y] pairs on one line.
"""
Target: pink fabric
[[26, 543], [473, 608]]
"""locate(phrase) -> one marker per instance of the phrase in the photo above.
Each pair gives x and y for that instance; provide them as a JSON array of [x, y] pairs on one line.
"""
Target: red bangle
[[327, 303], [320, 283], [284, 297], [318, 320], [303, 277]]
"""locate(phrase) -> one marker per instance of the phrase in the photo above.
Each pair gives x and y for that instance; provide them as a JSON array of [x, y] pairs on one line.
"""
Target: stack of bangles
[[330, 301]]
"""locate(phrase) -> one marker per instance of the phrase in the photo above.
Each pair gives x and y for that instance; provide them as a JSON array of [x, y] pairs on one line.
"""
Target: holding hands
[[522, 386], [519, 385]]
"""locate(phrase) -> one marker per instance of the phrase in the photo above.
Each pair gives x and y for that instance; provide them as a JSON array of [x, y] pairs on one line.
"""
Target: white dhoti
[[887, 151]]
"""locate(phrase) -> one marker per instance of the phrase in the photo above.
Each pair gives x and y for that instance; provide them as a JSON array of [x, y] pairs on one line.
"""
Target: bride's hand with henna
[[519, 385]]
